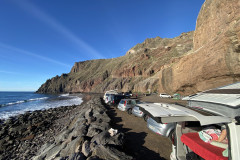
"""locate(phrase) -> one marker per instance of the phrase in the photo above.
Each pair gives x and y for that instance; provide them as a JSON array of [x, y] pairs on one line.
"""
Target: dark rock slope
[[86, 137], [22, 136], [73, 132], [195, 61]]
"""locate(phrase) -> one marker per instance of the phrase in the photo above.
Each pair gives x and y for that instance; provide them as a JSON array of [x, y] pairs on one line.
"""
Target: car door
[[128, 104], [168, 113]]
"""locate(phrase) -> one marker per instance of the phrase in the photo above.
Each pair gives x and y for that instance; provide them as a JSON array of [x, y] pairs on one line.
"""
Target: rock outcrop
[[215, 58], [195, 61]]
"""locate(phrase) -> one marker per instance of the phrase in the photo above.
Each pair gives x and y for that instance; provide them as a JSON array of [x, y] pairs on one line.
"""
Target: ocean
[[15, 103]]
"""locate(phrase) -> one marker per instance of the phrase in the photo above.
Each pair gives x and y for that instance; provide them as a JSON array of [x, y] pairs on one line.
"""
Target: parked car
[[137, 112], [110, 92], [164, 95], [213, 108], [114, 99], [108, 98], [127, 105], [163, 129]]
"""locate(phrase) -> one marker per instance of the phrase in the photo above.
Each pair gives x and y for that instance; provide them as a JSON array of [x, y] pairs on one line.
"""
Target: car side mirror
[[238, 120]]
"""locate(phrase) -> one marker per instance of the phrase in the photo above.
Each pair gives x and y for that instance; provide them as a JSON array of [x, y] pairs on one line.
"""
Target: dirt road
[[141, 143]]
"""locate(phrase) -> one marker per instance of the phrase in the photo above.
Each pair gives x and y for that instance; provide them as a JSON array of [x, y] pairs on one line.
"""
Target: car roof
[[227, 95], [111, 91], [226, 99], [167, 113]]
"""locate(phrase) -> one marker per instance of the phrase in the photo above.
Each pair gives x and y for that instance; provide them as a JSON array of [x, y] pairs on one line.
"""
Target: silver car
[[137, 112], [127, 105], [163, 129]]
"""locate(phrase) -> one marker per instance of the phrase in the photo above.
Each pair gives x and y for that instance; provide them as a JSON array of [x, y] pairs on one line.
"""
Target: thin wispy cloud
[[9, 72], [57, 26], [21, 51]]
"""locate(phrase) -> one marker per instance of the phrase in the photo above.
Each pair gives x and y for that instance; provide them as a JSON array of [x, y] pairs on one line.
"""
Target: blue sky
[[40, 39]]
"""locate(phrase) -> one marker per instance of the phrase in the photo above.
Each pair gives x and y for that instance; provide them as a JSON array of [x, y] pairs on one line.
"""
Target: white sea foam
[[36, 99], [64, 95], [20, 107], [22, 101]]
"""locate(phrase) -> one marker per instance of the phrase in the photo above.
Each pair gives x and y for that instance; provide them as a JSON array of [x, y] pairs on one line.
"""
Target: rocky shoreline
[[70, 132]]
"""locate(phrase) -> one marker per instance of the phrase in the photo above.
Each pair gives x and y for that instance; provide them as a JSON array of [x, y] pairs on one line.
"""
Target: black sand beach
[[22, 136]]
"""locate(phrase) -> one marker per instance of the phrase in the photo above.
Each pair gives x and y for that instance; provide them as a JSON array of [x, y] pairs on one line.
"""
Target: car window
[[119, 97], [122, 102], [128, 102], [135, 101]]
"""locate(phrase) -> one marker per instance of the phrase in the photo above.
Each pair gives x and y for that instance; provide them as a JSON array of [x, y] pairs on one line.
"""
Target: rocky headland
[[206, 58], [70, 132]]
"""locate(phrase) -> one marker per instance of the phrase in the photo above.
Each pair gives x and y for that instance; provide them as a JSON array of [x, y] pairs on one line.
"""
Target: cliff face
[[215, 58], [138, 70], [192, 62]]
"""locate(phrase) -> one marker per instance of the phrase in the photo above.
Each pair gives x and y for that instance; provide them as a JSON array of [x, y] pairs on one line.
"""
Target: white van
[[107, 93], [164, 95], [215, 107]]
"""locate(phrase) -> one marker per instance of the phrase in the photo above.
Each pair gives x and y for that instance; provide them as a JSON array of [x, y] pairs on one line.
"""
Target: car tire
[[170, 136], [129, 111]]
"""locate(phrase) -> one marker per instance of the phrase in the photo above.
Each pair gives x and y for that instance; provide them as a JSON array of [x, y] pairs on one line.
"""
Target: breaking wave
[[21, 106], [23, 101]]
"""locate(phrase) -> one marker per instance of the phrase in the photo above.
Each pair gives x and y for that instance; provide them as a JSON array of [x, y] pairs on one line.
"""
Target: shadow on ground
[[134, 141]]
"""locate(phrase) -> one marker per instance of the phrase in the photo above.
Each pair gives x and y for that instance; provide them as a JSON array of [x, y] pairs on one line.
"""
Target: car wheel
[[170, 136], [129, 111]]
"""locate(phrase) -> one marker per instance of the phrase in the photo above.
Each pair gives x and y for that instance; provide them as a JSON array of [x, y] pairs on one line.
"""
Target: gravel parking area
[[142, 143]]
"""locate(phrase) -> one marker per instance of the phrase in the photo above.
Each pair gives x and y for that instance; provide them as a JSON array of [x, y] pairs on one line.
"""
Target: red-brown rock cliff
[[195, 61]]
